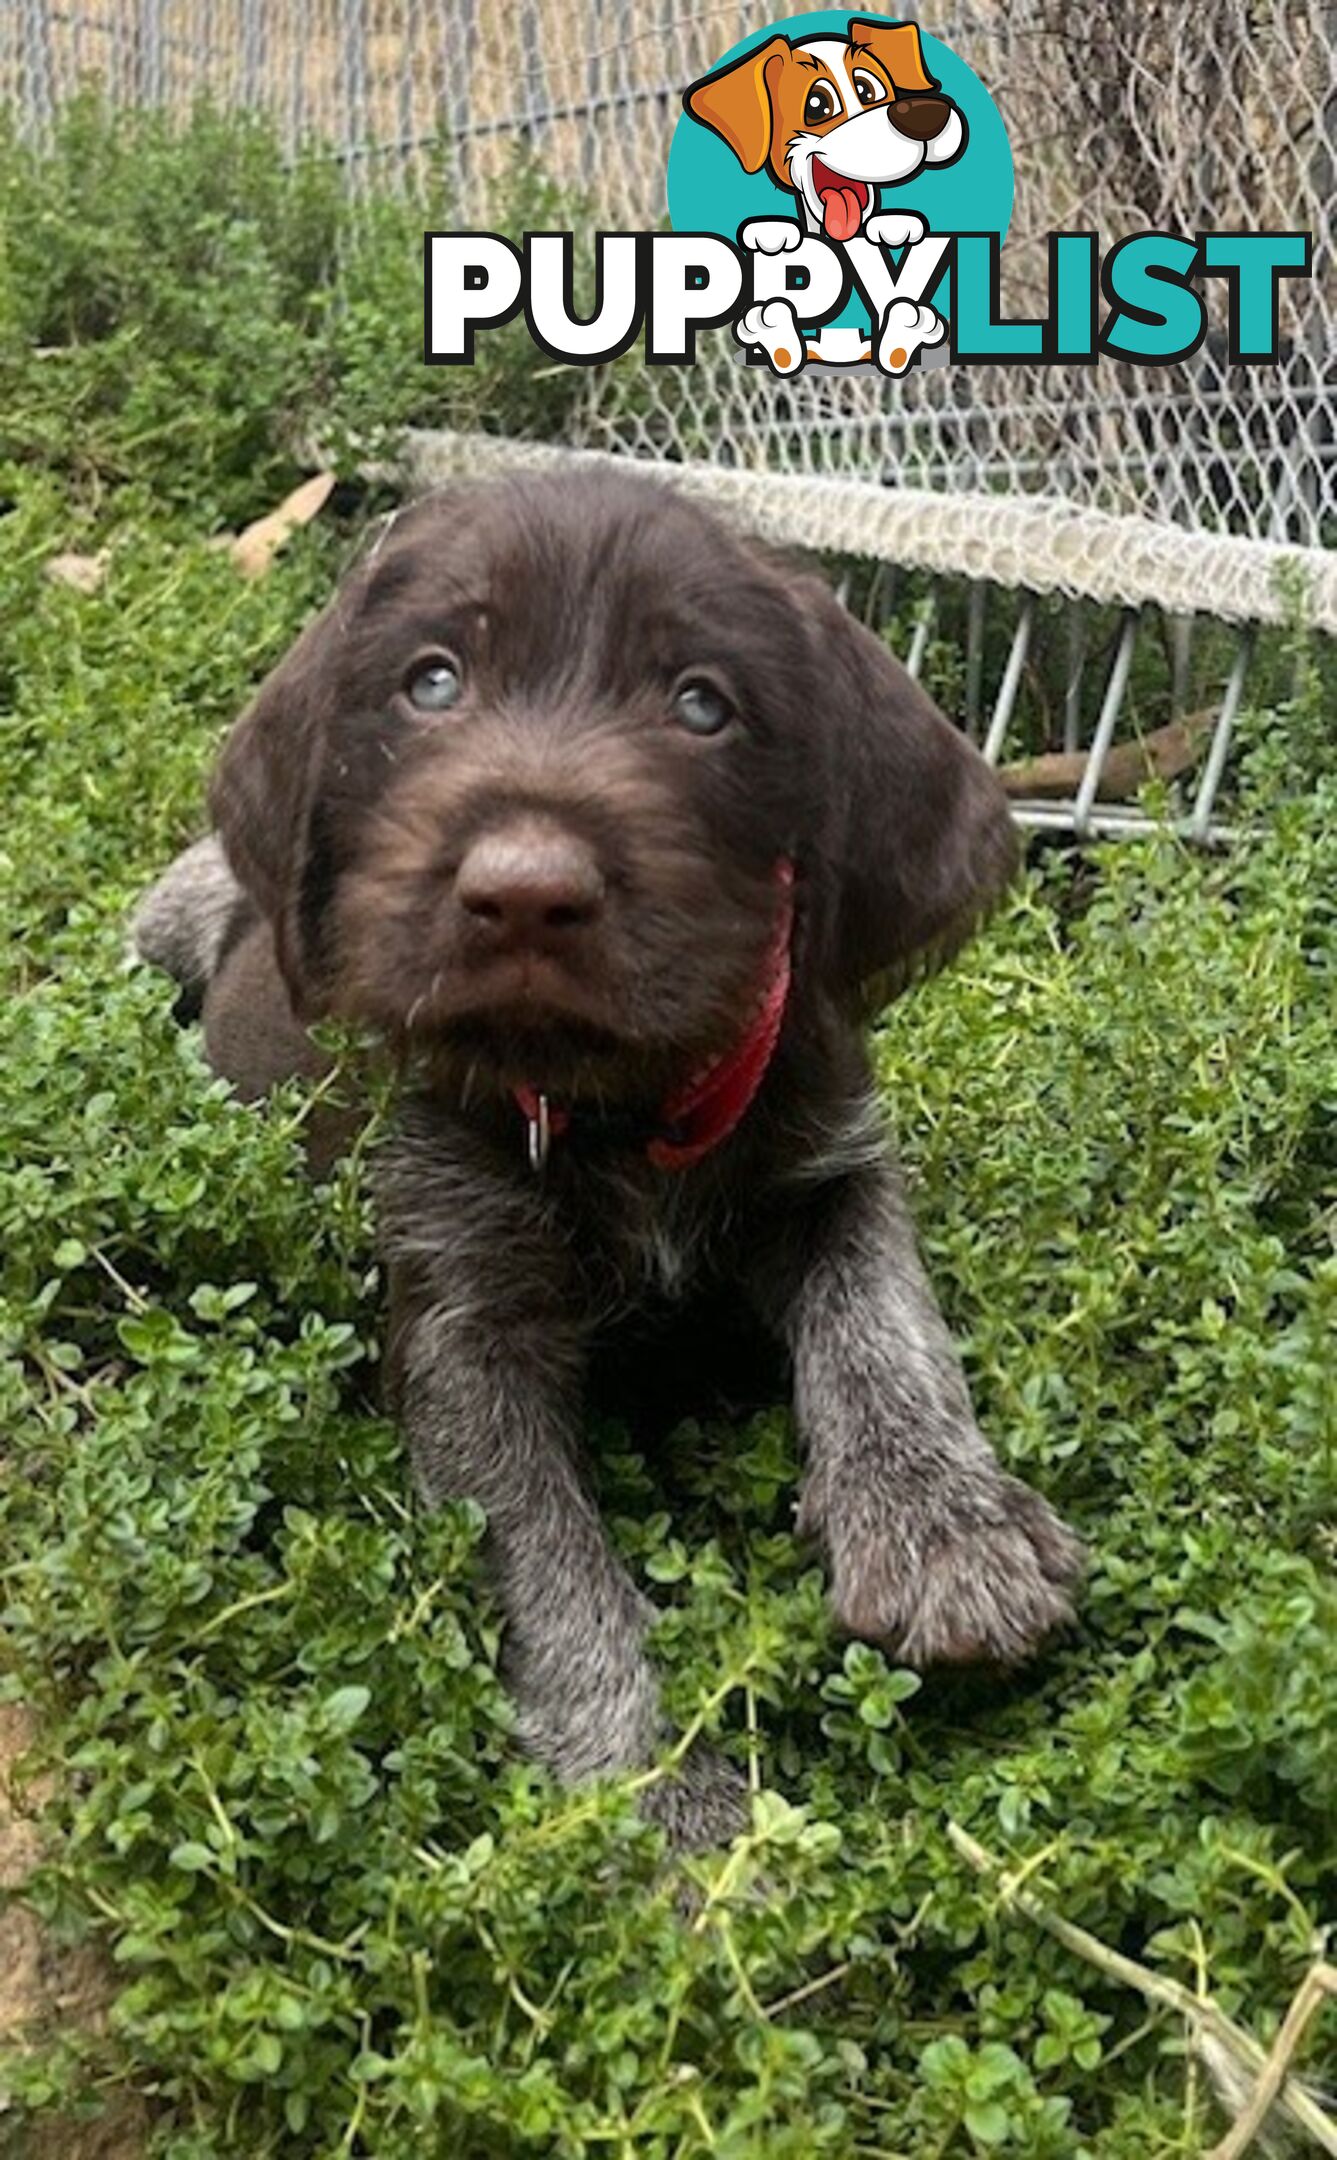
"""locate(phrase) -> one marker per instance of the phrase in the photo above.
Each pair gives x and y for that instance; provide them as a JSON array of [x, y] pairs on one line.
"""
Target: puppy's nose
[[529, 884], [920, 117]]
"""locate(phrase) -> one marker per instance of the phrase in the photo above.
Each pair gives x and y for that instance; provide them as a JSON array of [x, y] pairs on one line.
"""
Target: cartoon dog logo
[[832, 120]]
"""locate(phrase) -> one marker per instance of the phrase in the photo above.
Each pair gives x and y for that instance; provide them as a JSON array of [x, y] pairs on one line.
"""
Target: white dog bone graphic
[[905, 327], [771, 236], [895, 228], [773, 325]]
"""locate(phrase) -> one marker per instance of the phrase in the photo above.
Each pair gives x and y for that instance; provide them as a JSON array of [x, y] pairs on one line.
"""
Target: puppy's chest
[[639, 1239], [608, 1237]]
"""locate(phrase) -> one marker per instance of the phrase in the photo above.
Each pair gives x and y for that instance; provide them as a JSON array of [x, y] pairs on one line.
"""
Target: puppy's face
[[523, 796], [552, 791], [832, 118]]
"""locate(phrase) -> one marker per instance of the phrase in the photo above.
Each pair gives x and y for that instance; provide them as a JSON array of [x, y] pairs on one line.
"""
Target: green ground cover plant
[[341, 1916], [180, 308]]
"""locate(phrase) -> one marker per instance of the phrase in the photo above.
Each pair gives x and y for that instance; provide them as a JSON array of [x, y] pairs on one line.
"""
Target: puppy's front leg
[[491, 1406], [934, 1550]]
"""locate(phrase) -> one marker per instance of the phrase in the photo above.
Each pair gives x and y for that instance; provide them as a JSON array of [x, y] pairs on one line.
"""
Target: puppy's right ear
[[921, 843], [738, 101], [260, 799]]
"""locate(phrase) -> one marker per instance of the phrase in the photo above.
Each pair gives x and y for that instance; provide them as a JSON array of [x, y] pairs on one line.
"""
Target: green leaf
[[345, 1706], [192, 1856], [988, 2122]]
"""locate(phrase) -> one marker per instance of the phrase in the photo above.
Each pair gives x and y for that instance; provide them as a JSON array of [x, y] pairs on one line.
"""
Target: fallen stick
[[1318, 1982], [254, 549], [1206, 2020], [1162, 755]]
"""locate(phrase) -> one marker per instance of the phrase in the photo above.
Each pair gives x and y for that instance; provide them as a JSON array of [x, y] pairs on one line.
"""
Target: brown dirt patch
[[45, 1986]]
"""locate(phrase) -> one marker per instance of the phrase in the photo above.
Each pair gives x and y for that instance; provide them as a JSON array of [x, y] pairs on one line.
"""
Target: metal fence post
[[149, 53], [36, 65]]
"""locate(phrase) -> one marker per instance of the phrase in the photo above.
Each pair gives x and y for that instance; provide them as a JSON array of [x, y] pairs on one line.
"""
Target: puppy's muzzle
[[529, 886], [920, 117]]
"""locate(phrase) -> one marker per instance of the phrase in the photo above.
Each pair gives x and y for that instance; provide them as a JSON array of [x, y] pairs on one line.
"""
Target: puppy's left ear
[[261, 800], [921, 842]]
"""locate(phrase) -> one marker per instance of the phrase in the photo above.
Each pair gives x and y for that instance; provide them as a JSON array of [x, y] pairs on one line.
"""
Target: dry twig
[[1206, 2020]]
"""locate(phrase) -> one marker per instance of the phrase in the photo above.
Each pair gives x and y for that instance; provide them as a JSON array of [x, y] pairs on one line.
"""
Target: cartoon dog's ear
[[920, 840], [737, 101], [260, 799], [897, 46]]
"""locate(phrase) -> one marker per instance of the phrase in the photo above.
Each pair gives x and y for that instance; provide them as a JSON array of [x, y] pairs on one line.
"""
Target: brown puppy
[[605, 819]]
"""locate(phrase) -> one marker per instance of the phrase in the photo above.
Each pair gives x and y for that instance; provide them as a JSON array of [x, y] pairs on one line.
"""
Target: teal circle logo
[[831, 121]]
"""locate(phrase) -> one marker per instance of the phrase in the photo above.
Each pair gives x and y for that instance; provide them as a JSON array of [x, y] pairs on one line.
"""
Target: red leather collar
[[708, 1106]]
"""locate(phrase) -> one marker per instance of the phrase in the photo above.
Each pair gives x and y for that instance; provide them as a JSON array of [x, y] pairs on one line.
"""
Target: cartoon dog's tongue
[[840, 212], [843, 201]]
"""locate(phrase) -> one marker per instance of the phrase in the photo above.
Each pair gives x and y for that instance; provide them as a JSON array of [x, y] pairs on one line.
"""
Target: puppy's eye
[[702, 709], [820, 105], [434, 686], [867, 88]]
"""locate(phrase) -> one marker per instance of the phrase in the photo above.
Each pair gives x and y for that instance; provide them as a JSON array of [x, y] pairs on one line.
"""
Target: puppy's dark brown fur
[[563, 882]]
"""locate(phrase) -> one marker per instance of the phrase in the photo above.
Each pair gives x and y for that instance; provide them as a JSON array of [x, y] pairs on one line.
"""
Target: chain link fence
[[1123, 114], [1202, 487]]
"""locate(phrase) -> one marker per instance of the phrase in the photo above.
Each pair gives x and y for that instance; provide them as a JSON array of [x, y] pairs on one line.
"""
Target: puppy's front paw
[[984, 1574], [895, 228], [771, 236], [703, 1802]]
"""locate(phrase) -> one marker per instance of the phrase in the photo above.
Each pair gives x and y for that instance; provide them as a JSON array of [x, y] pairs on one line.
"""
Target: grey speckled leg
[[934, 1550], [493, 1416]]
